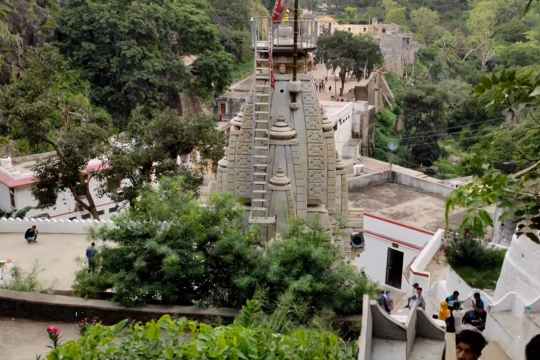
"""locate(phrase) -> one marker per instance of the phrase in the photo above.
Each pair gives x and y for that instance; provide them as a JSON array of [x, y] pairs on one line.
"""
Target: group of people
[[475, 317], [31, 234], [322, 85]]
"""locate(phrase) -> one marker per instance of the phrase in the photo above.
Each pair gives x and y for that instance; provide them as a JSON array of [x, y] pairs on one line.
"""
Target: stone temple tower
[[281, 158]]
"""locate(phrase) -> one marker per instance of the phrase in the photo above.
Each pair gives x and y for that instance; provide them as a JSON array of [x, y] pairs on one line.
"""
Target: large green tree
[[424, 115], [133, 52], [169, 248], [349, 54], [49, 107], [150, 147]]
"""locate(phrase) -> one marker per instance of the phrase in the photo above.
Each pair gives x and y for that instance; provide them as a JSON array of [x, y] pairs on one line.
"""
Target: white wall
[[380, 234], [521, 270], [49, 226], [5, 202], [65, 203], [341, 115]]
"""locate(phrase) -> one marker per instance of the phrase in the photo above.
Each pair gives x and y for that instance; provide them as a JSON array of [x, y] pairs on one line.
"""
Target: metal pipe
[[295, 40]]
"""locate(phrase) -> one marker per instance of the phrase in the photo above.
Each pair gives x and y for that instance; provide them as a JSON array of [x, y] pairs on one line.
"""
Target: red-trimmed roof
[[25, 180]]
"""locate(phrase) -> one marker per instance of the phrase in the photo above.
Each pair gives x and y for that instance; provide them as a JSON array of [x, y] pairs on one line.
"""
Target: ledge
[[46, 307]]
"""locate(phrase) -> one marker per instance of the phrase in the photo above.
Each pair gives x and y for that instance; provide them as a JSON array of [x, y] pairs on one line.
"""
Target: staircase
[[261, 131]]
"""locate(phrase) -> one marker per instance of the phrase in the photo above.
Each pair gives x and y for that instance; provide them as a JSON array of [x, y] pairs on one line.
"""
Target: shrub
[[467, 251], [170, 249], [183, 339], [21, 281]]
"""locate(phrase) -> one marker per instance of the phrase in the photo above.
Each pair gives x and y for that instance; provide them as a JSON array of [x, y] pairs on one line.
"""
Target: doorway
[[394, 268]]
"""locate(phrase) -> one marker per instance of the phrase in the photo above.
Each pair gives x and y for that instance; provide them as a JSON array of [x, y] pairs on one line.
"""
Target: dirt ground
[[57, 256], [22, 339]]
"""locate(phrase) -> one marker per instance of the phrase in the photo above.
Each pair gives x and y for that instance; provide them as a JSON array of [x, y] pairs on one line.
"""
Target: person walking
[[91, 253], [31, 234]]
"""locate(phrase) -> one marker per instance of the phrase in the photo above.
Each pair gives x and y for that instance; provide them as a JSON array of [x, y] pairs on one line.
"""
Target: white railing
[[50, 226]]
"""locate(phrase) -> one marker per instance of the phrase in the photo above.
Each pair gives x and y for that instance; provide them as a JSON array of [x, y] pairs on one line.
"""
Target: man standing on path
[[91, 253]]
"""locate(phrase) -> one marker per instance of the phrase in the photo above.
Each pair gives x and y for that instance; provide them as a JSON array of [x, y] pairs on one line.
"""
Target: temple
[[281, 158]]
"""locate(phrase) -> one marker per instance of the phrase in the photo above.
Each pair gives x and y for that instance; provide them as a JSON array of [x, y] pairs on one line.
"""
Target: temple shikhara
[[281, 159]]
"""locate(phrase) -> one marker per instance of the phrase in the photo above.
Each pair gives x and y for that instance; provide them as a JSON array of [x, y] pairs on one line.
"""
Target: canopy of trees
[[171, 249], [349, 55]]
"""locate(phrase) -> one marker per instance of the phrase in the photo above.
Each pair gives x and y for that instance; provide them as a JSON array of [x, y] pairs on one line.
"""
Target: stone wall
[[46, 307]]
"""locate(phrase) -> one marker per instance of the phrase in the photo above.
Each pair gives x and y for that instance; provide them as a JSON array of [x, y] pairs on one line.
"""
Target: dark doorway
[[394, 268]]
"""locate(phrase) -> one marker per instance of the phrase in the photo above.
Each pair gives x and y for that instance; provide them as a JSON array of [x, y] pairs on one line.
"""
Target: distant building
[[17, 179], [398, 47]]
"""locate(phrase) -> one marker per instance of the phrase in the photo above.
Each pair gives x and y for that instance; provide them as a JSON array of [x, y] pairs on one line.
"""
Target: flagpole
[[295, 41]]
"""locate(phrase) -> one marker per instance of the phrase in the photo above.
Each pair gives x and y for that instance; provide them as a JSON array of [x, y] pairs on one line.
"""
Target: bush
[[172, 250], [183, 339], [91, 284], [21, 281], [466, 251]]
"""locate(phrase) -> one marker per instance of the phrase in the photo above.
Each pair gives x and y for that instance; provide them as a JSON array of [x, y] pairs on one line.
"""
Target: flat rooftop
[[401, 203]]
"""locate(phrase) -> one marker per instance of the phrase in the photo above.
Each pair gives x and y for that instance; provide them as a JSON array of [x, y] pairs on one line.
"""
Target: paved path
[[58, 256], [22, 339]]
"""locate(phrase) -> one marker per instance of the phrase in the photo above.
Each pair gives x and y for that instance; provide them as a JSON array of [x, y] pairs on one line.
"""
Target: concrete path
[[58, 256], [22, 339]]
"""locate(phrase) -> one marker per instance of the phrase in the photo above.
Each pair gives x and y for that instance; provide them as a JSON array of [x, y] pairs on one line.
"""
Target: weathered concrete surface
[[388, 349], [57, 255], [22, 339], [69, 308], [401, 203], [426, 349]]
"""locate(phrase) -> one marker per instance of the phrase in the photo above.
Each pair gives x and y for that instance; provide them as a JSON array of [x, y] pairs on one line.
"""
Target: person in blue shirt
[[91, 253]]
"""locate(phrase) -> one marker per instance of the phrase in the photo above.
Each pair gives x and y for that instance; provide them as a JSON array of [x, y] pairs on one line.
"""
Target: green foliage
[[171, 249], [49, 107], [182, 339], [150, 146], [132, 51], [17, 213], [479, 265], [91, 284], [22, 281], [424, 113], [352, 55]]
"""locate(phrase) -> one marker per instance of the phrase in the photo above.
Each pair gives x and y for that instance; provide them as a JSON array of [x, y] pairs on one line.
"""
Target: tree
[[134, 52], [171, 249], [49, 107], [424, 114], [426, 23], [166, 244], [350, 55], [394, 13], [150, 147], [23, 24]]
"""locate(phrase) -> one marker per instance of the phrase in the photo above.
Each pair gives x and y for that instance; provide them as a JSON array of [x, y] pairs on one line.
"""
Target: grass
[[479, 278]]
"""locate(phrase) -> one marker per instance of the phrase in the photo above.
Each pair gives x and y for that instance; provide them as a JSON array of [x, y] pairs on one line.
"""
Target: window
[[101, 212], [113, 209], [73, 218], [86, 216], [12, 197]]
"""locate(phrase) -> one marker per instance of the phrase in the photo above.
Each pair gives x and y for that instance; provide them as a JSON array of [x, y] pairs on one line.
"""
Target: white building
[[17, 179], [389, 250]]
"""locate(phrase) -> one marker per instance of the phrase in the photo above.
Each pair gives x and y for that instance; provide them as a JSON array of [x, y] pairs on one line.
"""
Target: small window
[[72, 218], [86, 216], [101, 212], [113, 209]]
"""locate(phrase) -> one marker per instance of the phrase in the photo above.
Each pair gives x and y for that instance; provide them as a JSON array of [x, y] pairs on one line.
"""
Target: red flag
[[278, 11]]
